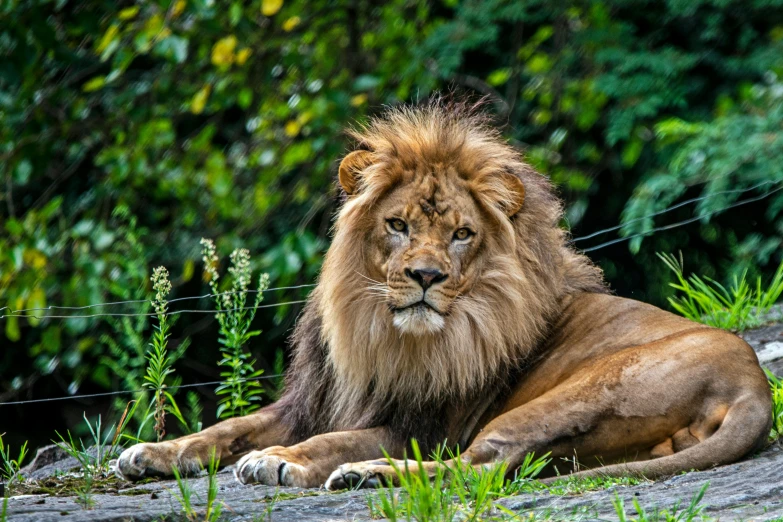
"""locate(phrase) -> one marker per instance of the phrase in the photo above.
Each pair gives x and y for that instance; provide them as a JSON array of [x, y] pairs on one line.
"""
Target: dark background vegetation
[[129, 130]]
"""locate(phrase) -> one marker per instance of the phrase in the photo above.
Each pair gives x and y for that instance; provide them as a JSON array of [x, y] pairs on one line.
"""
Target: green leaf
[[94, 84]]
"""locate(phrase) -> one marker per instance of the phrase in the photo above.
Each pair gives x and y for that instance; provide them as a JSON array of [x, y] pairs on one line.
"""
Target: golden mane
[[490, 331]]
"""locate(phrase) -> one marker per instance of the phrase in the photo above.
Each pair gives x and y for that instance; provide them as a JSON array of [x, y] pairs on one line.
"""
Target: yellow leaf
[[94, 84], [178, 8], [187, 270], [223, 51], [271, 7], [291, 23], [108, 37], [128, 13], [359, 99], [200, 100], [37, 299], [34, 258], [12, 329], [242, 56], [292, 128]]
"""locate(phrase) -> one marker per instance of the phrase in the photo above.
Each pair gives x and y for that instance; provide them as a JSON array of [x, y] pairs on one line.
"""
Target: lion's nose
[[426, 277]]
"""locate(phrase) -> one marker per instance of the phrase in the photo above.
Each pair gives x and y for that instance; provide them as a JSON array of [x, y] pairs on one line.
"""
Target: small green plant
[[185, 497], [580, 485], [776, 387], [240, 390], [269, 506], [694, 511], [158, 361], [84, 492], [4, 510], [106, 447], [11, 466], [455, 490], [736, 308]]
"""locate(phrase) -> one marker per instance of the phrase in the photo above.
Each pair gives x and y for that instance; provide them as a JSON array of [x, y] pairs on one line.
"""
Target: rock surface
[[748, 490]]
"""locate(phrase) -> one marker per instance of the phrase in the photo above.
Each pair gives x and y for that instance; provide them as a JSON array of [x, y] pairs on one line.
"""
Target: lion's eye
[[398, 225], [462, 234]]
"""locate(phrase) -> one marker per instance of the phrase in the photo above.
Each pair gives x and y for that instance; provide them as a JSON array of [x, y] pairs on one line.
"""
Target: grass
[[106, 446], [738, 307], [11, 466], [240, 391], [694, 511], [456, 491], [460, 492], [581, 485], [84, 493], [776, 387], [185, 498]]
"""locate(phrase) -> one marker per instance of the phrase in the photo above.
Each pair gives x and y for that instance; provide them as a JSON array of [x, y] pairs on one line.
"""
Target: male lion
[[451, 307]]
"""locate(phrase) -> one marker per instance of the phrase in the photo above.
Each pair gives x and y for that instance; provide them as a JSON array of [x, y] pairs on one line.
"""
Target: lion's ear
[[506, 191], [351, 167]]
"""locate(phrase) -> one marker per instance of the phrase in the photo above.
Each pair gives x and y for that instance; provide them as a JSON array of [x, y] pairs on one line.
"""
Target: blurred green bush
[[129, 130]]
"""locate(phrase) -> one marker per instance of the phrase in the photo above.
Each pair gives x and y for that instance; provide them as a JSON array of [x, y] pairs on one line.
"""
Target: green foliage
[[738, 149], [736, 308], [9, 472], [694, 511], [454, 491], [776, 387], [240, 389]]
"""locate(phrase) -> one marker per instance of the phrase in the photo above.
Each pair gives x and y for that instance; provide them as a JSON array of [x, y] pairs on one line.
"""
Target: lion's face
[[425, 244], [446, 264]]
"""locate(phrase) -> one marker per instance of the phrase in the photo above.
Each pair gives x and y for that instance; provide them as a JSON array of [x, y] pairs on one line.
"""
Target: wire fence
[[26, 312], [133, 392]]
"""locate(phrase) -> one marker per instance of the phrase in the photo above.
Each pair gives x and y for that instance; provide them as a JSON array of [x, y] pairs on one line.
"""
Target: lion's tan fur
[[505, 314]]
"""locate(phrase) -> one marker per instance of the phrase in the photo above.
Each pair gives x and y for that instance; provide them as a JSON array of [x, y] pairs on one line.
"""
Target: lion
[[451, 307]]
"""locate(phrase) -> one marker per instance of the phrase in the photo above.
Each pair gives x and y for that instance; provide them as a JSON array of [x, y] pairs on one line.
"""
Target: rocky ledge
[[748, 490]]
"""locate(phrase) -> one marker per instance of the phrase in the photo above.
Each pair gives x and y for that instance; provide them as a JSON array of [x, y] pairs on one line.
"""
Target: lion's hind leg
[[735, 437]]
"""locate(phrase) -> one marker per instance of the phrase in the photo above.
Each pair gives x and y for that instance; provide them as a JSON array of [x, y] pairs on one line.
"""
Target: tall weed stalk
[[240, 391], [159, 364]]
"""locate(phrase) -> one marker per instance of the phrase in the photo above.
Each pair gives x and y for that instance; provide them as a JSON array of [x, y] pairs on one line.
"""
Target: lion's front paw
[[155, 460], [275, 466], [368, 474], [142, 460]]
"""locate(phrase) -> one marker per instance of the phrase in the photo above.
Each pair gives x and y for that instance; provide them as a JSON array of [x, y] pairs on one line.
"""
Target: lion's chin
[[419, 320]]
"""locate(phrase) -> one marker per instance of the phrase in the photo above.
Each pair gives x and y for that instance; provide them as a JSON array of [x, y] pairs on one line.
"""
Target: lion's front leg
[[230, 440], [310, 463]]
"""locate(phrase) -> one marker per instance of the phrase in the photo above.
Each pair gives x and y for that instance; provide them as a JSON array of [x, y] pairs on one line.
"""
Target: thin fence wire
[[674, 207], [143, 390], [682, 223], [152, 314], [137, 301], [25, 312]]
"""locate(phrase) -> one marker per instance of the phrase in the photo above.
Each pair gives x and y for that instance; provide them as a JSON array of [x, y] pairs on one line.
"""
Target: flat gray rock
[[747, 490]]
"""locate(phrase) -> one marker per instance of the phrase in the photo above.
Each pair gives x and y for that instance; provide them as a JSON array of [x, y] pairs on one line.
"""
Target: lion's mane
[[352, 368]]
